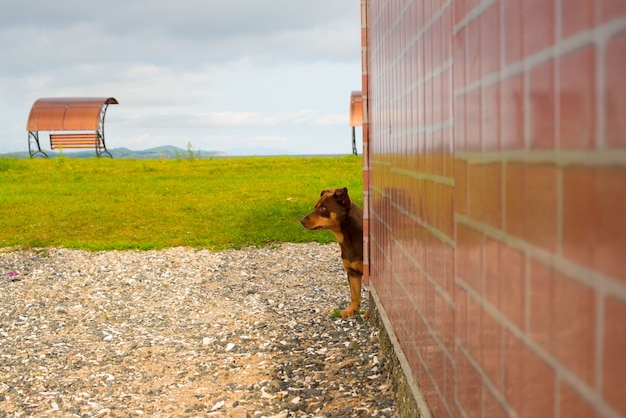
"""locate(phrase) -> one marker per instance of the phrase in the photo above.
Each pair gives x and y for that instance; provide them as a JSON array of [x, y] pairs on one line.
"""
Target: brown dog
[[336, 212]]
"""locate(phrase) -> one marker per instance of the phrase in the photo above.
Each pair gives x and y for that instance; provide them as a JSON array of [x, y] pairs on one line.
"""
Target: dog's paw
[[350, 311]]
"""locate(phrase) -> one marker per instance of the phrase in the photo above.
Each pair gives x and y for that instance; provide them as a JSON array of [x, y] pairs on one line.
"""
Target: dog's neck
[[350, 234]]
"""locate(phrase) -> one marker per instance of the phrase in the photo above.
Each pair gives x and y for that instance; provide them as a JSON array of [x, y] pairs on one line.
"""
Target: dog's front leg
[[355, 295]]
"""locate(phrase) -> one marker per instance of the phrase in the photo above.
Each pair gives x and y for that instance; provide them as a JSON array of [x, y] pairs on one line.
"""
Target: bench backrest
[[78, 140]]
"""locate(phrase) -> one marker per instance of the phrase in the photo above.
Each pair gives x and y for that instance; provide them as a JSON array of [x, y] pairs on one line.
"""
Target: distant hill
[[167, 152]]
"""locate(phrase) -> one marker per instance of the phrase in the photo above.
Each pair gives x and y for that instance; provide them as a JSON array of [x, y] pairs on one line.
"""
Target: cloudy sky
[[247, 77]]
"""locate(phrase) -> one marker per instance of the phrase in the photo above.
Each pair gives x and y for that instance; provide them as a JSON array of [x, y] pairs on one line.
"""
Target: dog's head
[[330, 210]]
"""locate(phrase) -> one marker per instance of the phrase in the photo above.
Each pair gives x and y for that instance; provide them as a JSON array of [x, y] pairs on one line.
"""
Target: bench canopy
[[356, 108], [356, 115], [68, 113]]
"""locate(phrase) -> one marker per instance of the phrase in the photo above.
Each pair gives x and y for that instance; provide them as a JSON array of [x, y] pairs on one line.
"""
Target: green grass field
[[104, 204]]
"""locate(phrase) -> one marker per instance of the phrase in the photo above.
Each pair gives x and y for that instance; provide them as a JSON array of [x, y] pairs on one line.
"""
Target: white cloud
[[304, 117], [270, 139]]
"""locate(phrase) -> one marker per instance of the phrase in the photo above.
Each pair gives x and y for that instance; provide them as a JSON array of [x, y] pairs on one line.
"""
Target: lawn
[[103, 204]]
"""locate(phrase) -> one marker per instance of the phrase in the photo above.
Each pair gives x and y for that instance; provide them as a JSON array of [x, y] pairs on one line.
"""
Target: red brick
[[512, 114], [428, 10], [437, 104], [417, 13], [447, 34], [435, 359], [437, 154], [542, 107], [460, 316], [491, 348], [427, 384], [611, 9], [447, 97], [459, 59], [473, 56], [471, 4], [529, 382], [514, 372], [572, 405], [474, 328], [447, 331], [460, 187], [577, 16], [445, 217], [493, 272], [412, 191], [413, 358], [430, 202], [421, 247], [542, 300], [493, 408], [428, 308], [514, 199], [512, 285], [473, 120], [460, 10], [492, 195], [448, 152], [469, 387], [577, 96], [490, 39], [450, 387], [428, 111], [574, 340], [435, 35], [473, 242], [437, 407], [512, 31], [475, 191], [435, 261], [555, 301], [513, 358], [449, 270], [614, 366], [491, 122], [539, 24], [611, 229], [459, 124], [540, 202], [616, 90], [420, 328], [579, 214], [421, 96]]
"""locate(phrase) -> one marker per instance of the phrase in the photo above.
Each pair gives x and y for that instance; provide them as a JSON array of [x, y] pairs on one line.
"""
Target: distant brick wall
[[495, 187]]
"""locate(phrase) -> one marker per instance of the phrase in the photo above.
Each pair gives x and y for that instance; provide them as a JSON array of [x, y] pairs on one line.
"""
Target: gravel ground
[[183, 332]]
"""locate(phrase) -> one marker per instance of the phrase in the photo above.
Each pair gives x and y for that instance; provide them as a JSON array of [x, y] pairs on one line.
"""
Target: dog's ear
[[324, 192], [341, 196]]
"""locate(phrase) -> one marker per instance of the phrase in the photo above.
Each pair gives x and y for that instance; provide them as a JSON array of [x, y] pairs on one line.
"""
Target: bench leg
[[104, 153], [33, 140]]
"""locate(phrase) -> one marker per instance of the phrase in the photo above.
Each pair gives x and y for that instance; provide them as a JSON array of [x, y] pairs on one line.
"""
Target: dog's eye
[[322, 209]]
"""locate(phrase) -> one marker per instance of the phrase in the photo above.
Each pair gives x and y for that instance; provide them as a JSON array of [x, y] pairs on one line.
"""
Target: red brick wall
[[495, 173]]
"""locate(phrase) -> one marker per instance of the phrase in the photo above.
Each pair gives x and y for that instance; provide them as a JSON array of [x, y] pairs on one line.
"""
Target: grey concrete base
[[408, 397]]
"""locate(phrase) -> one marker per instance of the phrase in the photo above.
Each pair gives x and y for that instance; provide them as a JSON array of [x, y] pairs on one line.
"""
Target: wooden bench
[[79, 140]]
